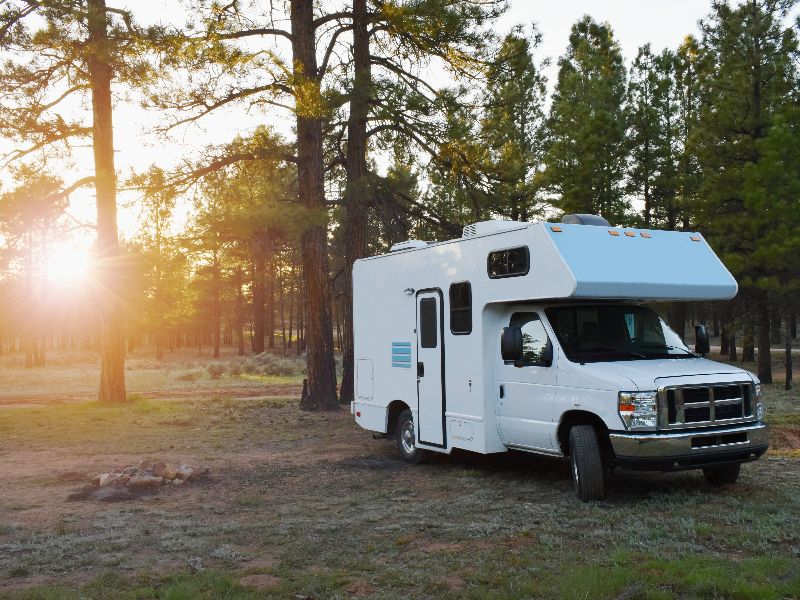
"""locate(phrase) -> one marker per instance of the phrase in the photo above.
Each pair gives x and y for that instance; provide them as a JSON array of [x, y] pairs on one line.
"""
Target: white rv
[[535, 337]]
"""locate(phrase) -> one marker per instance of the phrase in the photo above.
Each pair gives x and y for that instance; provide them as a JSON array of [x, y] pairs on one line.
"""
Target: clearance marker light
[[645, 235], [614, 233], [630, 233], [555, 228], [695, 238]]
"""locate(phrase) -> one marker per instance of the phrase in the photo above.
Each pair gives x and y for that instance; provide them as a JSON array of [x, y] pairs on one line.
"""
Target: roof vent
[[585, 220], [408, 245], [494, 226]]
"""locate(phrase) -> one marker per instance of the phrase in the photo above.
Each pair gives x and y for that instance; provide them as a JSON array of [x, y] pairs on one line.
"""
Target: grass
[[316, 508]]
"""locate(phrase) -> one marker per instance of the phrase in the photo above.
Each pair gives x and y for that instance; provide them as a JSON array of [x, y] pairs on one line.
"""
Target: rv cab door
[[525, 394], [430, 368]]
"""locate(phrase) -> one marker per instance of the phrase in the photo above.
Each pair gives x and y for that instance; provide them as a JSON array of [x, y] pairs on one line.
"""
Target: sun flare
[[68, 264]]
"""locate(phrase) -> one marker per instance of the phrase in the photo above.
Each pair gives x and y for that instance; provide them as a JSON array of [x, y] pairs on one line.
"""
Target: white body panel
[[577, 262]]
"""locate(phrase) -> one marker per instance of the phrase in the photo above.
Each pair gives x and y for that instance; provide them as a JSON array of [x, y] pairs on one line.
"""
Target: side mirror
[[701, 345], [511, 343], [547, 354]]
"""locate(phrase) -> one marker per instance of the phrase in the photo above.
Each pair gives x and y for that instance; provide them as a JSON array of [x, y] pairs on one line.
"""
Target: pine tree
[[512, 127], [60, 53], [585, 161], [750, 72]]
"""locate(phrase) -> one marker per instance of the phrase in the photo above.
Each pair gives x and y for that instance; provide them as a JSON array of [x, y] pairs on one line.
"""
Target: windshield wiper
[[688, 352], [606, 349]]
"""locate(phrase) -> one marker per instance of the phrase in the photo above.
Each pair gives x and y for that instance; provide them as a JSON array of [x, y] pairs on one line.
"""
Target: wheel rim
[[407, 437]]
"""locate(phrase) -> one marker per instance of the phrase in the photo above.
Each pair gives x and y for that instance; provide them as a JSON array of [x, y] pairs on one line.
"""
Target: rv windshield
[[604, 333]]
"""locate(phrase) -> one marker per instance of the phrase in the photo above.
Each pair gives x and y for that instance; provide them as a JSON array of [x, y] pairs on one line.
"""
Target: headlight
[[760, 409], [639, 410]]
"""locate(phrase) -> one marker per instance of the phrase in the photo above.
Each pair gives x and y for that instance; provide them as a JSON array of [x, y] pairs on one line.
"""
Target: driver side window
[[534, 336]]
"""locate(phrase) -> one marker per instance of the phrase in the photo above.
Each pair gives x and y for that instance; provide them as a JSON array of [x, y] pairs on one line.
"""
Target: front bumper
[[694, 449]]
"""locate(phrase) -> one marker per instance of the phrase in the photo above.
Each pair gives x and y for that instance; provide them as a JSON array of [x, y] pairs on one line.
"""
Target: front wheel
[[586, 462], [406, 438], [722, 474]]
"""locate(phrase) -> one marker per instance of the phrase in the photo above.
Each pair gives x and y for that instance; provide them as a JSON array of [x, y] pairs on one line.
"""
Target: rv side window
[[461, 308], [534, 336], [512, 262], [427, 323]]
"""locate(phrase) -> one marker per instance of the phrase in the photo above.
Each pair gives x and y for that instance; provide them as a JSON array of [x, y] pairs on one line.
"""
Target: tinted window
[[427, 323], [611, 332], [534, 336], [461, 308], [509, 263]]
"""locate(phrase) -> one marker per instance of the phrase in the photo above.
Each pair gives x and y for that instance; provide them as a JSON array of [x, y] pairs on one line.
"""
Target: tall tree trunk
[[288, 345], [112, 343], [787, 345], [723, 341], [281, 307], [677, 318], [311, 191], [764, 360], [269, 304], [357, 187], [215, 307], [748, 343], [258, 299], [239, 312]]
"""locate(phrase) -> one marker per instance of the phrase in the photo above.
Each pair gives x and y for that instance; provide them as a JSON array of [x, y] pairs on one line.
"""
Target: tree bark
[[112, 344], [215, 307], [677, 318], [357, 187], [311, 192], [258, 299], [764, 360], [748, 343], [269, 301], [787, 344]]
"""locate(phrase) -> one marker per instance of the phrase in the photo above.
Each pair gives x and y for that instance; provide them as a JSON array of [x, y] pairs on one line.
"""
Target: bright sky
[[663, 23]]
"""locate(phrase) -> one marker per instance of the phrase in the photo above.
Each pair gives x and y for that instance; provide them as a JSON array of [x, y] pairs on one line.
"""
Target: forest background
[[351, 126]]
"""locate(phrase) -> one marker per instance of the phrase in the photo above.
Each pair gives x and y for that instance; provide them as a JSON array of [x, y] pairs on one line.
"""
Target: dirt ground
[[302, 505]]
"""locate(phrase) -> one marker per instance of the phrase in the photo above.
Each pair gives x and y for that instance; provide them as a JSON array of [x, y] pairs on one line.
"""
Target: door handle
[[502, 391], [420, 369]]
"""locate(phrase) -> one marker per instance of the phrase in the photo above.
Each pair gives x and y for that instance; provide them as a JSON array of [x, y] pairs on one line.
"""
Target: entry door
[[430, 368], [526, 389]]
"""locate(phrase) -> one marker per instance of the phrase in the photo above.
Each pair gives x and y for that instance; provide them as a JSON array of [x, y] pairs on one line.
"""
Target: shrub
[[216, 370]]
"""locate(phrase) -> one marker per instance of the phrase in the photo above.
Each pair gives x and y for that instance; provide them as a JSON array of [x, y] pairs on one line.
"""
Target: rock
[[184, 472], [104, 479], [144, 465], [201, 472], [144, 481], [164, 470], [129, 471]]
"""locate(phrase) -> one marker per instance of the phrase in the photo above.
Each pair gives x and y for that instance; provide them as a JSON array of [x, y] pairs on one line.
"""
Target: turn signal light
[[555, 228], [613, 232]]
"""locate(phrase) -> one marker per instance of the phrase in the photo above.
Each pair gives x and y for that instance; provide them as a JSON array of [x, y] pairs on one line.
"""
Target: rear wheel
[[406, 437], [586, 463], [722, 474]]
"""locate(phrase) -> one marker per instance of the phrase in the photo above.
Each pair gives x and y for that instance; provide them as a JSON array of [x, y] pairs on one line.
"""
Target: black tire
[[722, 475], [406, 438], [586, 463]]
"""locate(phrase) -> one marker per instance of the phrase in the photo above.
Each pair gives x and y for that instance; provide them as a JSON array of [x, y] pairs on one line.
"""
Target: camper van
[[538, 337]]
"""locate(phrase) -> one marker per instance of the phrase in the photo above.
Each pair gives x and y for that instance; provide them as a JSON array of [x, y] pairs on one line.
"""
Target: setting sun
[[67, 263]]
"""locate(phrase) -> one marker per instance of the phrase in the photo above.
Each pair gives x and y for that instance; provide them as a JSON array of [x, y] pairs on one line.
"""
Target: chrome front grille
[[704, 405]]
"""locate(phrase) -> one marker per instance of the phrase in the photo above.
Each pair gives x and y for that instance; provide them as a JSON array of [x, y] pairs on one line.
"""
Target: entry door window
[[534, 337], [427, 323]]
